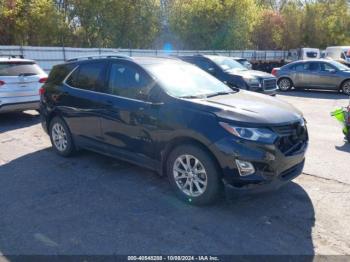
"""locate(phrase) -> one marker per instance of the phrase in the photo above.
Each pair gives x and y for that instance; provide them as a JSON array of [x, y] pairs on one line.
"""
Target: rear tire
[[345, 87], [61, 138], [284, 84], [194, 175]]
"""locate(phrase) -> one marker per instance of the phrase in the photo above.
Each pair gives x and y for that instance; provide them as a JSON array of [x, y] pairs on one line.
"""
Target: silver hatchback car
[[20, 81], [314, 74]]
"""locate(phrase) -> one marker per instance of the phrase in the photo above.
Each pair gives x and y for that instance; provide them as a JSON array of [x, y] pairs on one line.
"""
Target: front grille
[[292, 138], [269, 84]]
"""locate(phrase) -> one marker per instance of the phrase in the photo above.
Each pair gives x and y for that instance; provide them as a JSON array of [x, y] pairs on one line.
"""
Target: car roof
[[10, 59], [148, 60], [141, 60], [309, 60]]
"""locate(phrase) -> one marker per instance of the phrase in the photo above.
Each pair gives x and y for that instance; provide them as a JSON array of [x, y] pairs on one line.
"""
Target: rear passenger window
[[299, 67], [129, 81], [89, 76]]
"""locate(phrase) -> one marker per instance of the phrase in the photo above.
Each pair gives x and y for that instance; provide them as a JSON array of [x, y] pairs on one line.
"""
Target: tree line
[[185, 24]]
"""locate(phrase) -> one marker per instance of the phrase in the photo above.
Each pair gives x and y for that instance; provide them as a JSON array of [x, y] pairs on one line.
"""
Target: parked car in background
[[234, 74], [171, 117], [315, 74], [339, 53], [244, 62], [304, 53], [20, 81]]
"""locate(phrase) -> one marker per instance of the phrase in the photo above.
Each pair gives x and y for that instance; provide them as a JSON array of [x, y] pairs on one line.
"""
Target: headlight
[[254, 134]]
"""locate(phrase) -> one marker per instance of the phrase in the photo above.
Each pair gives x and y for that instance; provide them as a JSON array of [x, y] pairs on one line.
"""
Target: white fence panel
[[47, 57]]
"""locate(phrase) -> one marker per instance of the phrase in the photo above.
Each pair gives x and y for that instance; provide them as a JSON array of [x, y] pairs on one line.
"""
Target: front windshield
[[185, 80], [339, 66], [227, 63]]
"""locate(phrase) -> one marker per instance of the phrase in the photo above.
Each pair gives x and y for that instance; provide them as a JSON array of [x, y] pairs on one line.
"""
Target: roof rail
[[81, 58], [9, 56]]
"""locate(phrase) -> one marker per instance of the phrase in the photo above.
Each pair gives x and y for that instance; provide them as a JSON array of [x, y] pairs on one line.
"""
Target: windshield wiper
[[193, 97], [221, 93]]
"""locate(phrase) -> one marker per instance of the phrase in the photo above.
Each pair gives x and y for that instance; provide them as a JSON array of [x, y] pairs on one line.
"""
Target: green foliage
[[212, 24], [312, 24], [86, 23], [190, 24]]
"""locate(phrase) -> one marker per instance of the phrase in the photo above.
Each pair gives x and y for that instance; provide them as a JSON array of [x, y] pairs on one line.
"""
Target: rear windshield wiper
[[27, 74]]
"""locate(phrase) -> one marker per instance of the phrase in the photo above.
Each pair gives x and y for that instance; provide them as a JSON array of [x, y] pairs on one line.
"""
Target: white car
[[339, 53], [20, 81]]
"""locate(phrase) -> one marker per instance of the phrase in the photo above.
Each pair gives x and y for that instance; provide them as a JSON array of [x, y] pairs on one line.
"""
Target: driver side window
[[128, 81]]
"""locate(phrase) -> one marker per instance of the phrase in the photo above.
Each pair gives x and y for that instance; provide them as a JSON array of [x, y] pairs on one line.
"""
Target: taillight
[[41, 91], [43, 80], [274, 71], [2, 83]]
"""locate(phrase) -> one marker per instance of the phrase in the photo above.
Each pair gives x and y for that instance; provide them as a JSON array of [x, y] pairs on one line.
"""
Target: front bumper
[[272, 168]]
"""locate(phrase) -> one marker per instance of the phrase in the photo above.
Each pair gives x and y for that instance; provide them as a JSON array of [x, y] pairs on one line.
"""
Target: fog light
[[245, 168]]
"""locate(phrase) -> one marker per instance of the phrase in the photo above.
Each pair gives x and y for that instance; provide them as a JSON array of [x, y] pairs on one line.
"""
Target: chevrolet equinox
[[172, 117]]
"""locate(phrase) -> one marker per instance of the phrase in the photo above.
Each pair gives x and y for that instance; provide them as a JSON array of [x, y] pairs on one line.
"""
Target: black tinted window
[[311, 54], [59, 73], [299, 67], [312, 66], [129, 81], [88, 76], [19, 68], [296, 67]]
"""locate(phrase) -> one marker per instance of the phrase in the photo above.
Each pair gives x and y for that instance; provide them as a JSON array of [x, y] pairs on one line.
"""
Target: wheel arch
[[285, 77], [342, 83], [175, 142], [51, 116]]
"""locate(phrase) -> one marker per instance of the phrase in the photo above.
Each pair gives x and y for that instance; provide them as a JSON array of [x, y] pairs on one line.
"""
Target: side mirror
[[155, 97], [332, 71]]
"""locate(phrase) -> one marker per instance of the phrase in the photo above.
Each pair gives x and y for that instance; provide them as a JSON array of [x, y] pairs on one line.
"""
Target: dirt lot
[[91, 204]]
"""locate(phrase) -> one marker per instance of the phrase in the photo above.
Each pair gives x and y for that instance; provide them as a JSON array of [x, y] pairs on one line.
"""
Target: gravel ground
[[92, 204]]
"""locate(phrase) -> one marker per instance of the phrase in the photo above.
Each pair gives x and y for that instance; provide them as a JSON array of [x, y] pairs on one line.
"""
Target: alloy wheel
[[190, 175], [346, 88], [284, 84], [59, 137]]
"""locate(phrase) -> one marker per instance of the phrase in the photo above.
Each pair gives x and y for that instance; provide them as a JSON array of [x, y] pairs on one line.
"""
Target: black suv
[[169, 116], [234, 74]]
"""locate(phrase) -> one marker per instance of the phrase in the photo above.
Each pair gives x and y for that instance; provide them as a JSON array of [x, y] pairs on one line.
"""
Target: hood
[[249, 73], [251, 108]]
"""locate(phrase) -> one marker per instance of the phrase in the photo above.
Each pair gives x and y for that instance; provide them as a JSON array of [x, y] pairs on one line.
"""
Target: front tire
[[61, 138], [194, 175], [346, 87], [285, 84]]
